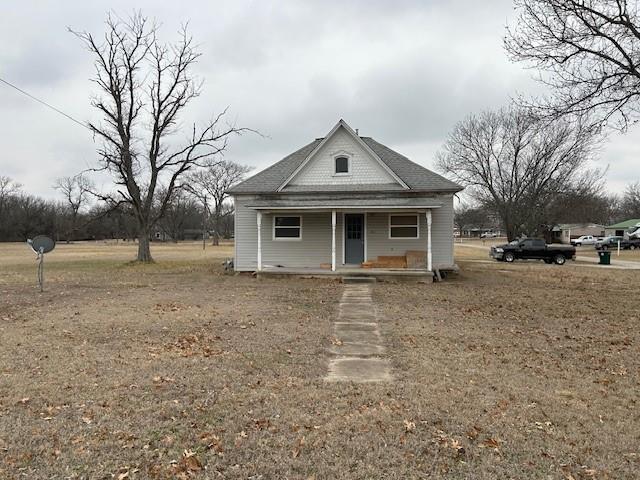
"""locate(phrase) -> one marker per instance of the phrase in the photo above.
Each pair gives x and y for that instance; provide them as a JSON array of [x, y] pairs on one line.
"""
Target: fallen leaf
[[190, 462], [491, 443]]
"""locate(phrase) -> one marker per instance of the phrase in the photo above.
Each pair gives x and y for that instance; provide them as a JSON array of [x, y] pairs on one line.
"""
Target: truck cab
[[533, 249], [584, 240]]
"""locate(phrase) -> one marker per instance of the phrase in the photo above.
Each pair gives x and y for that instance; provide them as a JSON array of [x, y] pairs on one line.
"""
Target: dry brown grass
[[590, 251], [508, 371]]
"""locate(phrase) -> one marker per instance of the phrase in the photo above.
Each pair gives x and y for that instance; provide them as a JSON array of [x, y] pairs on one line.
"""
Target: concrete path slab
[[357, 352], [353, 369], [362, 326], [355, 336]]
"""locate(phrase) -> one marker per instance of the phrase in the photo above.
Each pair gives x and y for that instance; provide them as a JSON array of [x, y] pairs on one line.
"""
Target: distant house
[[564, 232], [472, 231], [619, 229], [161, 235], [344, 201]]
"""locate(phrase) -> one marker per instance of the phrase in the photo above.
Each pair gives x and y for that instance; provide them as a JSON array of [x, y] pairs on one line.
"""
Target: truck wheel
[[548, 261], [509, 257], [559, 259]]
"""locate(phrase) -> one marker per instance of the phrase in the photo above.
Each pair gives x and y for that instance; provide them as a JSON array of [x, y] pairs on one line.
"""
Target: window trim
[[286, 239], [338, 155], [417, 225]]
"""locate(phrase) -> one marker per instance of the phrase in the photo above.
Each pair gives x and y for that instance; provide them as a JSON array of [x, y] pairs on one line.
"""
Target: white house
[[344, 201]]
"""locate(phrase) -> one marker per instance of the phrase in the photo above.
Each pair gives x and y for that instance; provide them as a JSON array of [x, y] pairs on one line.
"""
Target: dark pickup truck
[[534, 249], [611, 243]]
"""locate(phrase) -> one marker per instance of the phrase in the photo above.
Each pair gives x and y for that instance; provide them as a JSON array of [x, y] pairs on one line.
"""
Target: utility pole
[[204, 221]]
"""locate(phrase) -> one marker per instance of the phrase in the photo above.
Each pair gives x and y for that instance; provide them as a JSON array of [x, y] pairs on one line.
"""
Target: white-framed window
[[403, 226], [287, 227], [341, 165]]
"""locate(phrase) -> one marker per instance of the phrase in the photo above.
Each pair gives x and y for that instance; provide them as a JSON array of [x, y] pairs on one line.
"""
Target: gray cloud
[[403, 72]]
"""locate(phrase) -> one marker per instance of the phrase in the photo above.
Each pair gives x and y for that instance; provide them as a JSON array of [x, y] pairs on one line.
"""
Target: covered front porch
[[350, 272], [373, 237]]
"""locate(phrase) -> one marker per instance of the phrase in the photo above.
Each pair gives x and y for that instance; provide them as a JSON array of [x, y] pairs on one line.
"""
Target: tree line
[[597, 207], [201, 209]]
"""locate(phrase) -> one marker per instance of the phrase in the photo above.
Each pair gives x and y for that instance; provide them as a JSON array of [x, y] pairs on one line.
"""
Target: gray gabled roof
[[346, 203], [415, 176], [269, 179]]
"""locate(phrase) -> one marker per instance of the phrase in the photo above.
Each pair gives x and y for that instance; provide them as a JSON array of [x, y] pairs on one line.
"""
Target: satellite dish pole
[[204, 222], [41, 269], [41, 245]]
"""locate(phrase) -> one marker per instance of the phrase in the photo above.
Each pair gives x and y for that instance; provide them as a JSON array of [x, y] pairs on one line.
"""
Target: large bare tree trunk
[[216, 234], [144, 250]]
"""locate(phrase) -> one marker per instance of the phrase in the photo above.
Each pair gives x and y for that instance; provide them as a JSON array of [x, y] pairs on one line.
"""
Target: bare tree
[[144, 86], [630, 201], [515, 164], [181, 213], [468, 215], [212, 184], [8, 188], [583, 202], [588, 51], [76, 191]]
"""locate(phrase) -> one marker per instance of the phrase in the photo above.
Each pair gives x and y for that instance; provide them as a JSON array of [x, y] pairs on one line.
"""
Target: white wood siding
[[311, 251], [364, 169], [442, 233], [379, 243], [315, 246]]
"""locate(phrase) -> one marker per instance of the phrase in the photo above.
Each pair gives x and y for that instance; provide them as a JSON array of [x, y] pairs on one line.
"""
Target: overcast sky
[[400, 71]]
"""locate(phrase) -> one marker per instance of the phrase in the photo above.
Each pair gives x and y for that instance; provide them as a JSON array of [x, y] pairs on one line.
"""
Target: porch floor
[[351, 271]]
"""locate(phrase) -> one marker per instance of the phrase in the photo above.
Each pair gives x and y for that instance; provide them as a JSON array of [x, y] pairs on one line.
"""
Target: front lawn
[[175, 370]]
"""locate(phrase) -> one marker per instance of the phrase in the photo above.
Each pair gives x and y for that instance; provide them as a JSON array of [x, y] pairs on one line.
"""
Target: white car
[[584, 240]]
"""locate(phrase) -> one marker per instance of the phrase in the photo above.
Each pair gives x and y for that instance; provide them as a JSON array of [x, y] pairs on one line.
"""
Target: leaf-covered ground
[[175, 370]]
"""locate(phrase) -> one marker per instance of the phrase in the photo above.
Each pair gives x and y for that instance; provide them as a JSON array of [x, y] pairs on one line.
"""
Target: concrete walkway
[[357, 353]]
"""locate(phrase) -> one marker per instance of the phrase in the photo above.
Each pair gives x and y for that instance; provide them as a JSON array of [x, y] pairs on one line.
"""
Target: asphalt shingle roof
[[269, 179], [415, 176], [356, 187], [347, 203]]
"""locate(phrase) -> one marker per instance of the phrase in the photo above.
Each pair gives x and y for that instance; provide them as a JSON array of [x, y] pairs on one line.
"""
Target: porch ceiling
[[346, 204]]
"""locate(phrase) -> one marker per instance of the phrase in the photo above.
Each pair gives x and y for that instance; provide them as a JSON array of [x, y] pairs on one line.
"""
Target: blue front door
[[353, 238]]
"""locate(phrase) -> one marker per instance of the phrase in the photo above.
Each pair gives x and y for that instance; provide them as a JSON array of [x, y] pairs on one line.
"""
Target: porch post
[[333, 240], [429, 257], [259, 220]]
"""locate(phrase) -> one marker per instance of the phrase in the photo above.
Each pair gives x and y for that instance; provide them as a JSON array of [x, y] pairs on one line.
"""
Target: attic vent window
[[342, 166]]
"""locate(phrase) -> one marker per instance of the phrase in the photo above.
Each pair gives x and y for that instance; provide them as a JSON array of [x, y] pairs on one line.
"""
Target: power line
[[44, 103]]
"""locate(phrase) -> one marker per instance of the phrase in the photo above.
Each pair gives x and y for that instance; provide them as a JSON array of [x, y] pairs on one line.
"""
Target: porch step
[[353, 279]]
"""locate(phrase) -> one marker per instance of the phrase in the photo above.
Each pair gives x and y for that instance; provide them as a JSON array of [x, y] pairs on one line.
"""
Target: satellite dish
[[42, 244]]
